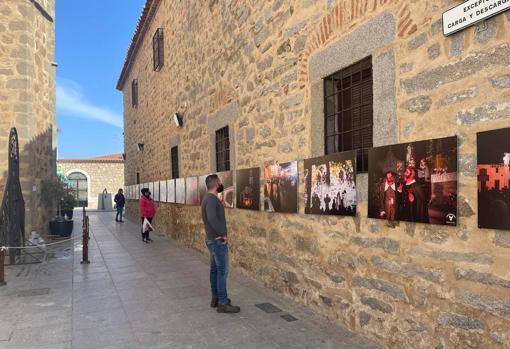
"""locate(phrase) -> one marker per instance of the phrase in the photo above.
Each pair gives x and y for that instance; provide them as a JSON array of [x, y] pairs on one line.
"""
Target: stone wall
[[411, 286], [101, 175], [27, 97]]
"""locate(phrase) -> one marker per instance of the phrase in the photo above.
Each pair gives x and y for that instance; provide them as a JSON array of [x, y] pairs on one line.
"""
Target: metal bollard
[[85, 258], [84, 215], [2, 275]]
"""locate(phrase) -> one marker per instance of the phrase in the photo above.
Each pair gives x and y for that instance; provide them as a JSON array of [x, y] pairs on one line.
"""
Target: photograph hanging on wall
[[330, 184], [151, 189], [162, 191], [192, 191], [281, 188], [248, 188], [202, 188], [170, 191], [180, 191], [138, 191], [227, 197], [155, 193], [414, 182], [493, 172]]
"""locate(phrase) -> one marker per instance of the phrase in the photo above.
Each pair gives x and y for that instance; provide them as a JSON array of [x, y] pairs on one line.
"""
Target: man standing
[[213, 215], [120, 201], [414, 203], [388, 198]]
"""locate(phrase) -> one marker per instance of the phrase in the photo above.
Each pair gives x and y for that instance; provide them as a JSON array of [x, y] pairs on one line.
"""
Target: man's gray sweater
[[213, 215]]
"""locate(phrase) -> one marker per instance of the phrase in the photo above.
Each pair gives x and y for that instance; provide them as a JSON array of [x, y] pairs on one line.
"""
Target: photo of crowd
[[414, 182], [248, 187], [493, 171], [330, 185], [281, 188]]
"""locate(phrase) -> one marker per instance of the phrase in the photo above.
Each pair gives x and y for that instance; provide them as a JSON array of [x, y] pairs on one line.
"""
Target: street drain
[[288, 318], [35, 292], [268, 308]]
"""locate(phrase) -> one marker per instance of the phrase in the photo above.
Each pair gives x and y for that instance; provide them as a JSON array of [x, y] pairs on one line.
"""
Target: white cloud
[[72, 103]]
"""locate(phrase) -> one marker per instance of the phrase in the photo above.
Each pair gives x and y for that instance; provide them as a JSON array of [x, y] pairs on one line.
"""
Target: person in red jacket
[[147, 210]]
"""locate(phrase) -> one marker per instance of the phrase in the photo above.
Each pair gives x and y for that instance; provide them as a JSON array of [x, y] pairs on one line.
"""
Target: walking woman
[[147, 210]]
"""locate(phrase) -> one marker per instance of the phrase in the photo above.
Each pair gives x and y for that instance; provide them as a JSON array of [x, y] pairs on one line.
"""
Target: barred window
[[175, 162], [138, 178], [157, 49], [222, 150], [134, 93], [348, 111]]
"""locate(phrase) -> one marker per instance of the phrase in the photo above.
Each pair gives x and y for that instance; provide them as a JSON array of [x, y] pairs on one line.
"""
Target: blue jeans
[[219, 269], [120, 209]]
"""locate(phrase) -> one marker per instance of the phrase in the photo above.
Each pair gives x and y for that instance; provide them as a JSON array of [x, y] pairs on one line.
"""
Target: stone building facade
[[27, 97], [258, 67], [100, 173]]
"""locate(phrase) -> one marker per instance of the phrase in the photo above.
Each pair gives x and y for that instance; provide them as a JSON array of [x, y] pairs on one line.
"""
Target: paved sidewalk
[[136, 295]]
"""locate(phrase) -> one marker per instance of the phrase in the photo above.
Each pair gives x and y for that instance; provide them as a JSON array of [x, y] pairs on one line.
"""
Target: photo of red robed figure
[[414, 182]]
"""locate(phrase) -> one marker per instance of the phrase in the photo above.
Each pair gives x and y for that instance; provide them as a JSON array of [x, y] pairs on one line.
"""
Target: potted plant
[[68, 203], [54, 194]]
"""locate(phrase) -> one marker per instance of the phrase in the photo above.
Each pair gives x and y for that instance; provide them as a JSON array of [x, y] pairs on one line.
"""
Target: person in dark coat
[[120, 202], [414, 205]]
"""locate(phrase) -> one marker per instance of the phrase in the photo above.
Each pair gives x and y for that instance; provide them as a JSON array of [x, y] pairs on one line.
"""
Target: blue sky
[[92, 39]]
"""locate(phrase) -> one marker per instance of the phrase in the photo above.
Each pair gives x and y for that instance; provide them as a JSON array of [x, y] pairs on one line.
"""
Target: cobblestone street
[[135, 295]]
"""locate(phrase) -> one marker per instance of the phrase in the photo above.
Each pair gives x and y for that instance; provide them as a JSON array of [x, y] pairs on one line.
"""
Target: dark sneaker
[[121, 221], [214, 302], [116, 220], [149, 240], [228, 309]]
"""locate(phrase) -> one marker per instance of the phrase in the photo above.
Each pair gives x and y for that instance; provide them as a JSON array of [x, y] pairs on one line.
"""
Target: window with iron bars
[[134, 93], [222, 150], [157, 49], [175, 161], [348, 111]]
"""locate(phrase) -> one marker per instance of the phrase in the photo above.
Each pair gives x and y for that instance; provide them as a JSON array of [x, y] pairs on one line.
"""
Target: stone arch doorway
[[80, 184]]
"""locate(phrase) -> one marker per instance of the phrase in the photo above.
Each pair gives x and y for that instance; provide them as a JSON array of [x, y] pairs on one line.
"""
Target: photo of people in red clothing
[[414, 182], [493, 172]]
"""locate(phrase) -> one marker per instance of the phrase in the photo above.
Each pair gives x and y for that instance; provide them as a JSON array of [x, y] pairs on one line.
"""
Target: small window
[[222, 150], [175, 161], [348, 111], [138, 178], [157, 49], [134, 93]]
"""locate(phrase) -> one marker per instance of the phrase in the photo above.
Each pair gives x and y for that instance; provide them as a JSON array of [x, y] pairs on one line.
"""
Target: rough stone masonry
[[257, 67], [27, 99]]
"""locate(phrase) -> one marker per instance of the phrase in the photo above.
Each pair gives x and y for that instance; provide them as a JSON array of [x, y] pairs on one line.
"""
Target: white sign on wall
[[471, 12]]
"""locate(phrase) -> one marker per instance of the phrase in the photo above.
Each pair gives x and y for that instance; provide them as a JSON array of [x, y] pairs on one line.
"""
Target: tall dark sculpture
[[12, 214]]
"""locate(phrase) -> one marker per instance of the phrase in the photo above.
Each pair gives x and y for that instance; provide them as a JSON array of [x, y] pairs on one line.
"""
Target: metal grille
[[268, 308], [157, 49], [348, 111], [12, 214], [175, 161], [134, 93], [222, 150]]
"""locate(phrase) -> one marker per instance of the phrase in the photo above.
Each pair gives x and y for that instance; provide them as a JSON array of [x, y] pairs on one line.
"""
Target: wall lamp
[[178, 119]]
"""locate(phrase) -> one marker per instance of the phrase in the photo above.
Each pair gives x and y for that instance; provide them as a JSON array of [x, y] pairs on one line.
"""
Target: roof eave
[[143, 23]]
